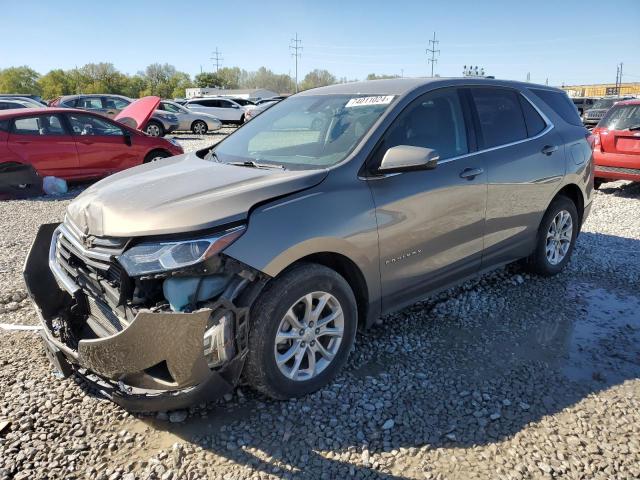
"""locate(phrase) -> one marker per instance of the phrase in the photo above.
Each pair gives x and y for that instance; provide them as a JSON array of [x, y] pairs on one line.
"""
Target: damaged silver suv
[[258, 259]]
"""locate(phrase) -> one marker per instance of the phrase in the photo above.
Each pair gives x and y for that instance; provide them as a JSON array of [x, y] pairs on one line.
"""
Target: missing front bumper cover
[[122, 366]]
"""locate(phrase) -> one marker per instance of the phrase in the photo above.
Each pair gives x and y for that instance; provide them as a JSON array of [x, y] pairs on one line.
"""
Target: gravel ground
[[508, 376]]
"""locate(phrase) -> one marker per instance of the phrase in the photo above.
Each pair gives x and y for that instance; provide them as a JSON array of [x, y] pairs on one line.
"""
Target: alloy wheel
[[199, 128], [559, 237], [153, 130], [309, 336]]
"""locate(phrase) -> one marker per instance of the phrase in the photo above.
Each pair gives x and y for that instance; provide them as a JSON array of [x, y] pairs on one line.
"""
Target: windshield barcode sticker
[[365, 101]]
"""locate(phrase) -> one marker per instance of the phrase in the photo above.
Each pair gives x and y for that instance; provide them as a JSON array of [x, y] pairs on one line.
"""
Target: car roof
[[403, 86], [22, 112]]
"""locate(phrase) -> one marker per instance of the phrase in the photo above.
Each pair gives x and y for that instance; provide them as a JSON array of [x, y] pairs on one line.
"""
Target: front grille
[[595, 115], [90, 262], [95, 254], [602, 168]]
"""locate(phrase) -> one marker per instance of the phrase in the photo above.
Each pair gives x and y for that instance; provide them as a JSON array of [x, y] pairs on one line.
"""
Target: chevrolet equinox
[[257, 260]]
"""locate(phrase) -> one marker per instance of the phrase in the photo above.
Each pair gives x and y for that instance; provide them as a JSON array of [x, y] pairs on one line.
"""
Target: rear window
[[535, 123], [560, 103], [623, 117], [500, 115]]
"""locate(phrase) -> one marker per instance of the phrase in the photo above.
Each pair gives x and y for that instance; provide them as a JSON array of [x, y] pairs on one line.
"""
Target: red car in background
[[75, 144], [616, 151]]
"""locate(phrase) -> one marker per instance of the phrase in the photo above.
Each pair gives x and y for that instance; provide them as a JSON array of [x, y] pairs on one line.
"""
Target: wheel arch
[[573, 193], [348, 269], [149, 154]]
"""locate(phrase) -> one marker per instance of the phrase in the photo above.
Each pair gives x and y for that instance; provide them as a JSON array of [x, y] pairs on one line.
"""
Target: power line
[[296, 47], [432, 50], [217, 59]]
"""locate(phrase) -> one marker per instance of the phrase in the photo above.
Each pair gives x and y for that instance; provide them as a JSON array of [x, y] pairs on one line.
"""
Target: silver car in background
[[109, 105], [197, 122], [260, 257]]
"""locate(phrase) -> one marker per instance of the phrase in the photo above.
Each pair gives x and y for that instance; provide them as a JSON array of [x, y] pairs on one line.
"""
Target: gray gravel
[[508, 376]]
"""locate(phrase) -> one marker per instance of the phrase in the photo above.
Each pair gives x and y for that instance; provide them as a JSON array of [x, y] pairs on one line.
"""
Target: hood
[[138, 113], [180, 194]]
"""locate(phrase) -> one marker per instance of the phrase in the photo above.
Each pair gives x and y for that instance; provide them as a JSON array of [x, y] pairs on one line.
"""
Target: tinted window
[[42, 125], [10, 105], [4, 125], [225, 104], [434, 121], [534, 122], [90, 125], [170, 107], [89, 103], [622, 117], [500, 115], [116, 103], [560, 103]]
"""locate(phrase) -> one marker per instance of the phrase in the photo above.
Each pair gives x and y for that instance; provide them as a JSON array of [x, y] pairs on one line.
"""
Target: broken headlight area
[[167, 318]]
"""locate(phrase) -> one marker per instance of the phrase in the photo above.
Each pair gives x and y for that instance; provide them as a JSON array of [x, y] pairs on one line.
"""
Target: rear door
[[92, 104], [43, 142], [114, 105], [101, 145], [524, 156]]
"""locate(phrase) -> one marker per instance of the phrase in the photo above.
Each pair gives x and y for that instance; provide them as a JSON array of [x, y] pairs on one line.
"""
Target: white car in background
[[189, 119], [224, 109], [259, 109]]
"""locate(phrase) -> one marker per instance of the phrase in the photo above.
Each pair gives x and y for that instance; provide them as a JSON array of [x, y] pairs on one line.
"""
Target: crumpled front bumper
[[121, 366]]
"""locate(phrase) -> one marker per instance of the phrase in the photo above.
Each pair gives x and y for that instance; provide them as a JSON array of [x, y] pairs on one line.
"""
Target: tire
[[154, 129], [199, 127], [542, 260], [282, 296], [242, 119], [156, 155]]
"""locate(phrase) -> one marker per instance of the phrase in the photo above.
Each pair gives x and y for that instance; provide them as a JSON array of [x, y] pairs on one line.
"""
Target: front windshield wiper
[[253, 164]]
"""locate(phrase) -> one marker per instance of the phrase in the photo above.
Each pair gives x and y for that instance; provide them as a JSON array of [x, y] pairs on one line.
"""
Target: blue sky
[[548, 39]]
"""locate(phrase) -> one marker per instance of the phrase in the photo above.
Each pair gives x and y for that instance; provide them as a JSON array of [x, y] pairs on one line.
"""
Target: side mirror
[[127, 138], [403, 158], [236, 106]]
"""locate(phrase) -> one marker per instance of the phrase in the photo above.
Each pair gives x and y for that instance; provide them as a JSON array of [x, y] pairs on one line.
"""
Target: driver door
[[430, 222], [101, 145]]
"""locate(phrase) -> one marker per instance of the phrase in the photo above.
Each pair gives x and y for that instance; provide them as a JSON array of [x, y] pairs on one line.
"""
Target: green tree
[[317, 78], [56, 83], [19, 80], [135, 86], [206, 79], [265, 78], [373, 76]]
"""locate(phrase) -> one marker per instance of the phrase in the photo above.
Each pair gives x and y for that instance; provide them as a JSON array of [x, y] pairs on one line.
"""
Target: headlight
[[154, 257], [171, 118]]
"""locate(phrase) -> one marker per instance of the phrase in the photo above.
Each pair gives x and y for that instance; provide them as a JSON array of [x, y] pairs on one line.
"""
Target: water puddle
[[604, 342]]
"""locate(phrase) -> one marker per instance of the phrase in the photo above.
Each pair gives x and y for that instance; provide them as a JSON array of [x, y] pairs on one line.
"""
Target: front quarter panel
[[336, 216]]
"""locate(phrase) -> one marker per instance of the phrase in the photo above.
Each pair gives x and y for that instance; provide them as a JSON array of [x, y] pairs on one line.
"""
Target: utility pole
[[432, 50], [216, 58], [528, 76], [296, 48], [618, 78]]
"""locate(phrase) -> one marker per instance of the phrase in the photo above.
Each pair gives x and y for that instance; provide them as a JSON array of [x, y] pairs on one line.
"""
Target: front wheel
[[156, 155], [303, 328], [154, 129], [556, 238], [199, 127]]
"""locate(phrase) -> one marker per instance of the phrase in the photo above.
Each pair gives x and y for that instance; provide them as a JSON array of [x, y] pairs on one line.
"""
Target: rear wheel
[[556, 238], [199, 127], [154, 129], [303, 328]]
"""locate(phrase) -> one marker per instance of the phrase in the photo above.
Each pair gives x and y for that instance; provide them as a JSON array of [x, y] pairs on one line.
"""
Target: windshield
[[621, 118], [605, 103], [304, 132]]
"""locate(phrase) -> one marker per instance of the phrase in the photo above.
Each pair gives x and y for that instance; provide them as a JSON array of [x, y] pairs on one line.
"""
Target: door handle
[[549, 149], [471, 173]]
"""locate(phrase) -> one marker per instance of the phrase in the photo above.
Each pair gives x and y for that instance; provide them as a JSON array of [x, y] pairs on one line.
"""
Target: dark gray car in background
[[259, 258]]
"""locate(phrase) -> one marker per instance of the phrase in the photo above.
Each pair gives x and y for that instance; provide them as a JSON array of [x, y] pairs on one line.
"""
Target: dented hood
[[138, 113], [180, 194]]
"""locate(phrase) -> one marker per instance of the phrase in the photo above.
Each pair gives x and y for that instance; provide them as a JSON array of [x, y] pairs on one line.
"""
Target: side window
[[534, 122], [168, 107], [115, 103], [226, 104], [41, 125], [500, 115], [90, 125], [4, 125], [89, 103], [434, 120], [560, 103]]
